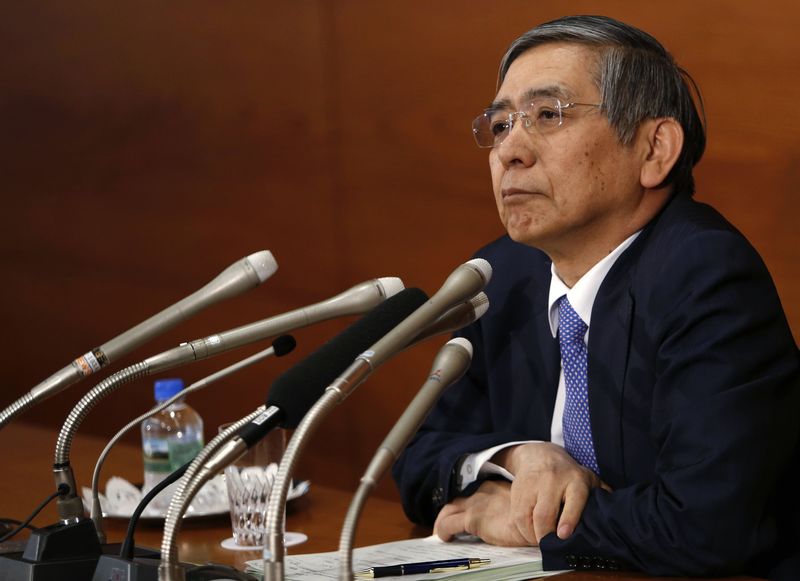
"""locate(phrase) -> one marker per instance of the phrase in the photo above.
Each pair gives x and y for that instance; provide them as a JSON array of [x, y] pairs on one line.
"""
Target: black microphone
[[290, 397], [239, 277], [295, 390]]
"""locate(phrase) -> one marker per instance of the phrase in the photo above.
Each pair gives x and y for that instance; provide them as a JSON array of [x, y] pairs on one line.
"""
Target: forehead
[[562, 70]]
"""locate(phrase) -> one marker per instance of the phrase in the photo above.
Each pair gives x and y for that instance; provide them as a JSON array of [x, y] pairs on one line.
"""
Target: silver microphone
[[464, 282], [456, 318], [449, 365], [239, 277], [353, 301]]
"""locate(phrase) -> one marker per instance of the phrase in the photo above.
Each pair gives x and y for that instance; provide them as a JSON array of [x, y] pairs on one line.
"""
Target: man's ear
[[662, 140]]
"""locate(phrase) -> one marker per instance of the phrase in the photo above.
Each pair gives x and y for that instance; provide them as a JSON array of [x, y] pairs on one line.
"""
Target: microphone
[[449, 365], [296, 390], [290, 396], [464, 282], [353, 301], [239, 277], [456, 318]]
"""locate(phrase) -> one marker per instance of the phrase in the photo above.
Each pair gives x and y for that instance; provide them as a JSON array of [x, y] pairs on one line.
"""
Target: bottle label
[[156, 461], [182, 451]]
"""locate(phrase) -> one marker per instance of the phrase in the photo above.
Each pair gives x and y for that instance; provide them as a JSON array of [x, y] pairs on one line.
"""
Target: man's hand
[[485, 514], [548, 494], [549, 491]]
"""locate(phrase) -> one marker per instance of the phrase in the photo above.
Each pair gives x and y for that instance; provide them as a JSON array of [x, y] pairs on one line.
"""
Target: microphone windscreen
[[297, 389], [284, 345]]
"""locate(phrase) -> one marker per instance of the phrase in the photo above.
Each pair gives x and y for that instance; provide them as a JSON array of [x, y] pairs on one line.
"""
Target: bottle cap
[[166, 388]]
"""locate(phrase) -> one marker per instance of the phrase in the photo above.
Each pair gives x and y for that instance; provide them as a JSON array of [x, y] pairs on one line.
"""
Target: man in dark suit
[[634, 399]]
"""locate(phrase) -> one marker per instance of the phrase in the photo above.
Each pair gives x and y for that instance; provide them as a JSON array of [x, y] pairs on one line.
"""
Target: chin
[[522, 236]]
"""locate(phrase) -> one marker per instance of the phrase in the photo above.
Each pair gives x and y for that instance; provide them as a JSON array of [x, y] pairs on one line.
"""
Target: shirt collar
[[581, 296]]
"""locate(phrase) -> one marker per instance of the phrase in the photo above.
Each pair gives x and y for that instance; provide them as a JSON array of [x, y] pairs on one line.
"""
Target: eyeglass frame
[[519, 114]]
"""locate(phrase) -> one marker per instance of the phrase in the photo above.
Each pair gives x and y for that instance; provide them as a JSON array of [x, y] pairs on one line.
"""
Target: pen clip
[[448, 569]]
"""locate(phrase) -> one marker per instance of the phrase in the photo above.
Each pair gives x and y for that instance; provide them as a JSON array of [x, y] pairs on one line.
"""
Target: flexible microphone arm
[[127, 549], [355, 300], [170, 569], [449, 365], [239, 277], [464, 282], [280, 347]]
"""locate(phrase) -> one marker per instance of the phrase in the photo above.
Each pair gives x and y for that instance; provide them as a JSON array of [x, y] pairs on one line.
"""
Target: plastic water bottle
[[170, 438]]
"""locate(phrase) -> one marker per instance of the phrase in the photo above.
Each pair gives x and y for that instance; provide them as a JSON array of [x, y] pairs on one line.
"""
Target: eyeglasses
[[541, 115]]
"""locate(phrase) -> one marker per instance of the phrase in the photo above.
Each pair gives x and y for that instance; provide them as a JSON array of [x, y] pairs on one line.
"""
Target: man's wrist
[[505, 458], [472, 466]]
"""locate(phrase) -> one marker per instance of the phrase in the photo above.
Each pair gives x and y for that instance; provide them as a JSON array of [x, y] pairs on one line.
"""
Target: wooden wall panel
[[146, 146]]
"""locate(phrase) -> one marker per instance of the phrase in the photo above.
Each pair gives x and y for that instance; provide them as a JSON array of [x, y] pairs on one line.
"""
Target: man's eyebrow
[[499, 105], [557, 91]]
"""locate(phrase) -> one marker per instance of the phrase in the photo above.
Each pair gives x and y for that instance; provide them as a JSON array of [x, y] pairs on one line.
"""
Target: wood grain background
[[146, 145]]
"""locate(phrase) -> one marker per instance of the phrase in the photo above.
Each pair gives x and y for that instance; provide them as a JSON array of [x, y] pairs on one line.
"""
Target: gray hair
[[637, 78]]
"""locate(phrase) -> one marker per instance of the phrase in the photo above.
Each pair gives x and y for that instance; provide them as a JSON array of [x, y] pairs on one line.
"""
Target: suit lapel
[[536, 351], [608, 349]]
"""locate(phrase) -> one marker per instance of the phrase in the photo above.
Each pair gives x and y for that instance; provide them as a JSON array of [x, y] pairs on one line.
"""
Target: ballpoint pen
[[424, 567]]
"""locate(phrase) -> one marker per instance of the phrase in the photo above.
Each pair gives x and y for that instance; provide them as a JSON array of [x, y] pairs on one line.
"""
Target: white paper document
[[507, 563]]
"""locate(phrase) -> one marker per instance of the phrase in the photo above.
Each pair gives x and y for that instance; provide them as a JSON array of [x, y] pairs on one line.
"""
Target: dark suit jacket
[[694, 396]]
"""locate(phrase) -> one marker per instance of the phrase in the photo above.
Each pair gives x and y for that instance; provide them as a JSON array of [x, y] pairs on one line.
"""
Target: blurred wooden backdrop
[[145, 145]]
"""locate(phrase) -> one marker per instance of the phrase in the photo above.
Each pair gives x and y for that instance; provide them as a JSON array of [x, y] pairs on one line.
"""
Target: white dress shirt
[[581, 297]]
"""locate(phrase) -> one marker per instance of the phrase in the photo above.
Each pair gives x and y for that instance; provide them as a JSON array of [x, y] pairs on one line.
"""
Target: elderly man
[[634, 399]]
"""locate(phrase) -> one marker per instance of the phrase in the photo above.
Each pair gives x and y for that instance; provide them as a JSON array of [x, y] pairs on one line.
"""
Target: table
[[27, 455]]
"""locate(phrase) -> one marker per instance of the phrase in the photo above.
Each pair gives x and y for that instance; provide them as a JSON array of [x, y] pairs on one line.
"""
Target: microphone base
[[114, 567], [63, 542], [59, 552], [120, 569], [14, 567]]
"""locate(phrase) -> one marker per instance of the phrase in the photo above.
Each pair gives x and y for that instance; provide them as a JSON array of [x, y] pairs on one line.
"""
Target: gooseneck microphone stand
[[196, 475], [449, 365]]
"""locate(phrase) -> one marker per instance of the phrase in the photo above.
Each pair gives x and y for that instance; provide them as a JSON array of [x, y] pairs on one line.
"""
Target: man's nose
[[519, 145]]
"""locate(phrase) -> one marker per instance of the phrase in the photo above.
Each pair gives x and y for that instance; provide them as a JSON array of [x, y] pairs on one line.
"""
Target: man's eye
[[498, 127], [545, 114]]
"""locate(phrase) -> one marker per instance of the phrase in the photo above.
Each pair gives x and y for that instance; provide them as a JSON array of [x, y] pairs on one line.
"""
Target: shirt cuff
[[477, 464]]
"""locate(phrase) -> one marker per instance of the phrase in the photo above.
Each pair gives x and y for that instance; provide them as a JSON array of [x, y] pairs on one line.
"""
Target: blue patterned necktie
[[577, 428]]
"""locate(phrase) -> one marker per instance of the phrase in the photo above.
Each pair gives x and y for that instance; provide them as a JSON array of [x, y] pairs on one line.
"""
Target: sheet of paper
[[325, 566]]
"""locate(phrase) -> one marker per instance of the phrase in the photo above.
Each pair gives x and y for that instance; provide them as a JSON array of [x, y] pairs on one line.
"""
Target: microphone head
[[463, 343], [480, 304], [263, 263], [297, 389], [483, 267], [284, 345], [390, 285]]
